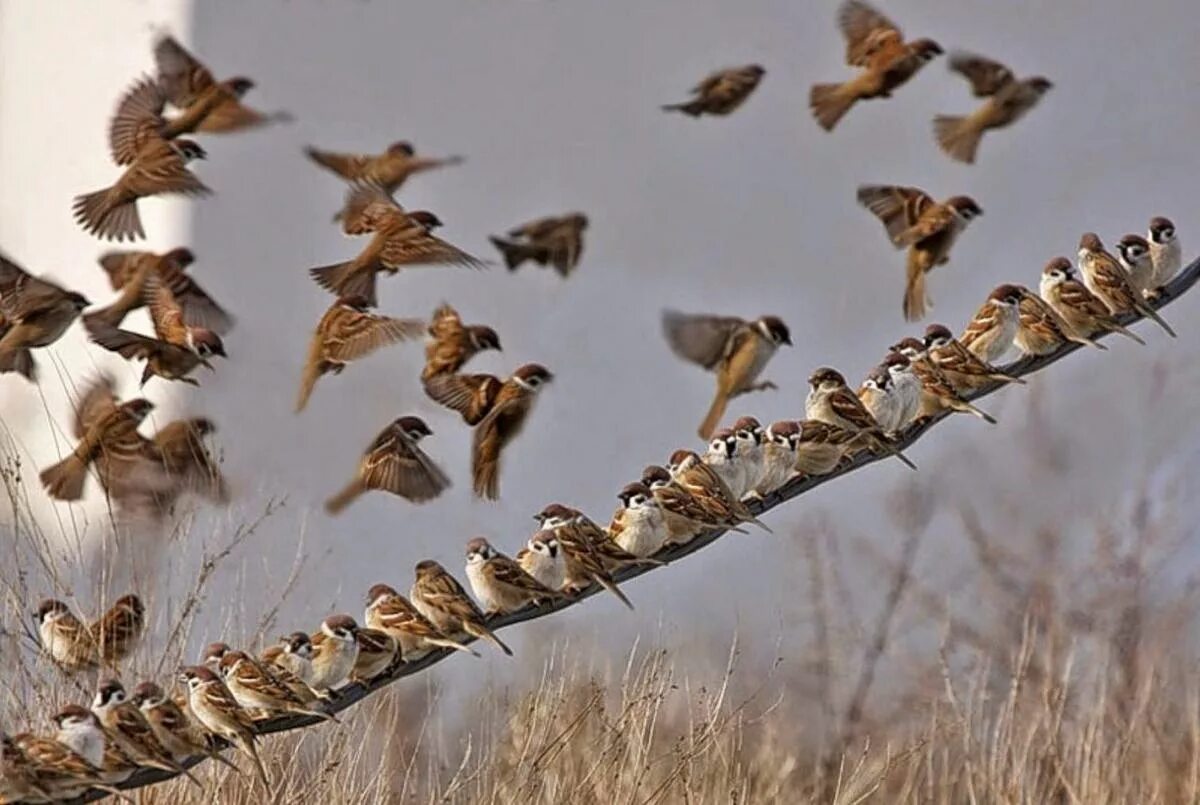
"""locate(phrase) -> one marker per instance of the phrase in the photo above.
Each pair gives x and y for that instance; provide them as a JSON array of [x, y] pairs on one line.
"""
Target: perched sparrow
[[439, 597], [831, 401], [335, 652], [453, 343], [543, 559], [554, 241], [127, 272], [737, 350], [820, 446], [64, 637], [499, 583], [398, 239], [256, 688], [79, 729], [907, 385], [1085, 314], [503, 423], [881, 399], [160, 167], [1134, 253], [582, 561], [937, 393], [721, 93], [749, 435], [1105, 277], [639, 526], [35, 313], [378, 653], [125, 725], [19, 778], [1007, 102], [218, 712], [59, 772], [290, 661], [1165, 251], [574, 527], [887, 62], [991, 333], [687, 514], [958, 364], [187, 459], [389, 170], [119, 630], [1041, 330], [206, 105], [708, 489], [390, 612], [178, 734], [928, 230], [349, 331], [778, 456], [720, 457], [395, 463]]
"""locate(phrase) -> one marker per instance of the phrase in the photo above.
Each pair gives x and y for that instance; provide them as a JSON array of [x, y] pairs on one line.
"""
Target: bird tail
[[829, 103], [713, 417], [883, 443], [337, 503], [967, 408], [514, 253], [110, 316], [1147, 310], [105, 215], [64, 480], [957, 137], [612, 587], [486, 475], [20, 361], [446, 642], [246, 744], [312, 373], [1125, 331], [487, 634], [346, 279], [914, 288], [689, 108]]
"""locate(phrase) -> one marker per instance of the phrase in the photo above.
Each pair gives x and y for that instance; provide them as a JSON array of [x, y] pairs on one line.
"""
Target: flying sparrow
[[876, 46], [1105, 277], [555, 241], [335, 652], [127, 273], [1134, 253], [390, 612], [218, 712], [499, 583], [937, 392], [187, 459], [639, 526], [395, 463], [125, 725], [737, 350], [64, 637], [721, 93], [389, 170], [1007, 102], [173, 728], [543, 559], [255, 687], [398, 239], [451, 343], [439, 597], [990, 334], [1041, 330], [928, 230], [831, 401], [35, 313], [1165, 251], [119, 630], [958, 364], [503, 423], [78, 729], [1083, 312], [708, 489]]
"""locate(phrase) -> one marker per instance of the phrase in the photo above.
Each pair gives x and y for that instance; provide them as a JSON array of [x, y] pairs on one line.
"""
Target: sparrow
[[543, 559], [820, 446], [990, 334], [34, 312], [574, 526], [499, 583], [173, 728], [687, 515], [64, 637], [960, 366], [120, 629], [389, 170], [721, 93], [1105, 277], [181, 446], [207, 105], [1041, 330], [1007, 102], [882, 400], [160, 167], [1134, 253], [439, 597], [390, 612], [720, 456], [928, 230], [937, 393], [59, 772], [639, 526], [335, 652], [255, 687], [398, 239], [831, 401], [214, 707], [749, 436], [78, 729], [395, 463], [346, 332], [503, 422], [451, 343], [582, 562], [19, 778], [737, 350], [709, 490], [1083, 312], [1165, 251], [290, 662], [555, 241], [127, 273], [378, 653], [876, 46], [778, 457], [126, 726]]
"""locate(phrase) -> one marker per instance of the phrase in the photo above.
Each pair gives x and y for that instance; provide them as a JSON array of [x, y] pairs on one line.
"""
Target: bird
[[119, 630], [159, 168], [451, 343], [1040, 330], [127, 272], [79, 729], [573, 526], [722, 92], [555, 241], [504, 421], [937, 392], [34, 312], [378, 652], [1083, 312], [709, 490], [735, 349], [778, 457], [821, 446], [961, 367], [19, 776], [543, 559], [1105, 277], [990, 333], [335, 652], [720, 457], [928, 229], [439, 597], [687, 515], [639, 526], [176, 349], [395, 463], [64, 637], [175, 730], [214, 707], [831, 401], [187, 460], [748, 438], [892, 395], [1133, 252], [1008, 99], [59, 772], [255, 687], [347, 331], [582, 562], [389, 611], [499, 583], [389, 169], [398, 239], [1165, 251], [125, 725], [290, 662], [886, 62]]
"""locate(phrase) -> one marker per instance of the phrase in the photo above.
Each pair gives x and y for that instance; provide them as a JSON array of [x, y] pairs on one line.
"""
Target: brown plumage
[[186, 458], [439, 597], [128, 272], [472, 396], [1007, 102], [964, 370], [391, 612], [389, 170], [1041, 330], [34, 312], [504, 421], [555, 241], [395, 463], [451, 343], [119, 630], [1079, 308], [722, 92]]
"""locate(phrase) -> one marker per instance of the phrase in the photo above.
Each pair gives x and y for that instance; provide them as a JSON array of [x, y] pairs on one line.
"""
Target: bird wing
[[419, 247], [395, 464], [700, 338], [137, 121], [986, 77], [898, 207], [165, 312], [233, 115], [199, 309], [367, 208], [161, 171], [471, 395], [359, 333], [122, 266], [867, 32], [181, 76], [97, 402]]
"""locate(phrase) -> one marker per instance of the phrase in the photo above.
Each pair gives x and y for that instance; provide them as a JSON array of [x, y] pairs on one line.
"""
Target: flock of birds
[[228, 690]]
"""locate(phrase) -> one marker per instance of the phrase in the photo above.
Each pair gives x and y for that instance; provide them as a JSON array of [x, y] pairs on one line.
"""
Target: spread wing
[[933, 220], [348, 166], [419, 247], [542, 227], [165, 313], [181, 76], [866, 31], [233, 115], [199, 309], [22, 294], [470, 395], [699, 338], [397, 465], [367, 208], [97, 402], [898, 207], [122, 266], [126, 344], [161, 170], [986, 77], [446, 323], [358, 333], [502, 424], [137, 121]]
